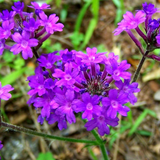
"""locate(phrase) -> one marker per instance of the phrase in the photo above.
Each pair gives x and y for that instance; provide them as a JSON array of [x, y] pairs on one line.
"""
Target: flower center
[[89, 106], [67, 77], [116, 72], [114, 104], [49, 65], [24, 44], [125, 89], [101, 118]]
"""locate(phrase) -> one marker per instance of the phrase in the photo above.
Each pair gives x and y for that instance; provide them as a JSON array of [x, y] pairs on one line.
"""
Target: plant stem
[[101, 144], [135, 77], [31, 132]]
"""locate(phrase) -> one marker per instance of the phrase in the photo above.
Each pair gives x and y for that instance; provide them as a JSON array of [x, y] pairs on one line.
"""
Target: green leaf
[[63, 13], [140, 119], [8, 56], [89, 32], [19, 63], [12, 77], [144, 133], [81, 15], [45, 156]]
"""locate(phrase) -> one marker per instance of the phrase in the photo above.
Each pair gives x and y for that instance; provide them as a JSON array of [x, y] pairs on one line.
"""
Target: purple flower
[[23, 44], [67, 105], [1, 145], [5, 30], [36, 82], [35, 5], [2, 46], [18, 6], [130, 22], [66, 78], [118, 70], [115, 103], [50, 23], [158, 38], [32, 25], [44, 102], [7, 16], [88, 105], [48, 60], [101, 121], [4, 92], [92, 56], [58, 118], [149, 9], [153, 24], [128, 89]]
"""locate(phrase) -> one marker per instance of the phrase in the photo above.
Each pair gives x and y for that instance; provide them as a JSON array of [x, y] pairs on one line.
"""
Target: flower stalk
[[44, 135]]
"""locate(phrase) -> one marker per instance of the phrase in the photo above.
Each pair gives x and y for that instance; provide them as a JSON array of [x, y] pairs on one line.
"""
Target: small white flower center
[[89, 106], [24, 44], [114, 104]]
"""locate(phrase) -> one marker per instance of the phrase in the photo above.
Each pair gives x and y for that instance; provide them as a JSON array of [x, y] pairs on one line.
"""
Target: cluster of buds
[[151, 32]]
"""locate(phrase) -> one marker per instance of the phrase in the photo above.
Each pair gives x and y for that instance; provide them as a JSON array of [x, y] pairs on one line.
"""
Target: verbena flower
[[23, 44], [2, 46], [35, 5], [5, 30], [1, 145], [7, 16], [50, 23], [90, 84], [4, 92], [18, 6]]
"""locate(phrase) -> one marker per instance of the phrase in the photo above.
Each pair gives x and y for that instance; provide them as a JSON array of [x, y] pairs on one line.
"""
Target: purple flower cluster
[[30, 30], [70, 82], [151, 32]]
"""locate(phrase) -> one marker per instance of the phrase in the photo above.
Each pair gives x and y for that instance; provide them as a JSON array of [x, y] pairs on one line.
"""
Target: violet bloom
[[36, 82], [62, 124], [158, 38], [1, 145], [44, 103], [50, 23], [2, 46], [115, 103], [48, 60], [149, 9], [67, 105], [117, 71], [23, 44], [67, 77], [18, 6], [128, 89], [32, 25], [92, 56], [7, 16], [4, 92], [35, 5], [101, 121], [130, 22], [88, 105], [5, 30]]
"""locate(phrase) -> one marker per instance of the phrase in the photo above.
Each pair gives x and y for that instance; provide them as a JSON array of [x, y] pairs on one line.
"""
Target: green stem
[[135, 77], [31, 132], [101, 144]]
